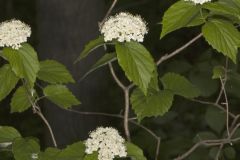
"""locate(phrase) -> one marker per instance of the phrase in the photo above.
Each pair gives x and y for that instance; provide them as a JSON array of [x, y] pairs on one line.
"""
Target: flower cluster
[[124, 27], [107, 142], [13, 33], [199, 1]]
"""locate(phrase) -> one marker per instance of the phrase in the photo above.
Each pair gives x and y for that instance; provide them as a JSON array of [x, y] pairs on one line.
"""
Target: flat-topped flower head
[[107, 142], [13, 33], [124, 27], [199, 1]]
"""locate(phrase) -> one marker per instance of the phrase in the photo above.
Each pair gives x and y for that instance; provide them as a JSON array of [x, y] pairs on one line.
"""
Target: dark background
[[60, 28]]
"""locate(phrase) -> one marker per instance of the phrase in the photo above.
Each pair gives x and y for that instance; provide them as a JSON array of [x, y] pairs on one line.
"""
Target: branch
[[177, 51], [126, 113], [119, 83], [219, 152], [216, 105], [126, 98], [227, 105], [219, 143], [158, 148], [108, 13], [37, 110], [49, 127], [206, 143]]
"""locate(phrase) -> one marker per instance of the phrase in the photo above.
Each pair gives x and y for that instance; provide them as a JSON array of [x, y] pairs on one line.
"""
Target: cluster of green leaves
[[219, 22], [24, 67], [159, 102], [29, 149], [133, 57], [147, 99]]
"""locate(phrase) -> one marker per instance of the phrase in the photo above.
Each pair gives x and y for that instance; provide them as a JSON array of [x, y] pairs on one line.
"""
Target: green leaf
[[199, 19], [204, 81], [24, 62], [8, 81], [49, 154], [155, 104], [104, 60], [137, 63], [20, 100], [8, 134], [60, 95], [231, 3], [92, 45], [154, 82], [223, 9], [93, 156], [213, 152], [25, 149], [223, 37], [218, 72], [215, 119], [181, 14], [54, 72], [179, 85], [233, 84], [230, 152], [75, 151], [134, 151]]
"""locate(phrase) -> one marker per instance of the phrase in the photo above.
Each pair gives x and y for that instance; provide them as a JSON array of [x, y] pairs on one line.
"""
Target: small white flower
[[13, 33], [6, 144], [124, 27], [199, 1], [107, 142], [34, 156]]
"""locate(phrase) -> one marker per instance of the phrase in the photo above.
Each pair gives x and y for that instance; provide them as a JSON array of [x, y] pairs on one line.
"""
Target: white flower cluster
[[124, 27], [34, 156], [199, 1], [13, 33], [107, 142]]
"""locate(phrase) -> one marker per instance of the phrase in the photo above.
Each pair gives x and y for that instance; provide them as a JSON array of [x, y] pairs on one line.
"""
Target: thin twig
[[49, 127], [37, 110], [177, 51], [120, 84], [234, 130], [158, 148], [114, 116], [217, 142], [219, 152], [219, 96], [225, 80], [126, 114], [214, 104], [227, 105], [234, 121], [108, 13], [126, 98], [206, 143]]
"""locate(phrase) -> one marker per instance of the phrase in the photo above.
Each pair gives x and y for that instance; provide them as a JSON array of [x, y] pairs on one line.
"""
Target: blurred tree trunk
[[63, 29]]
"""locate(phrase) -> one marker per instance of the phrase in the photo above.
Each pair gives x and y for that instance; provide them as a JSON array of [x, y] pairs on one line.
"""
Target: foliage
[[159, 92]]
